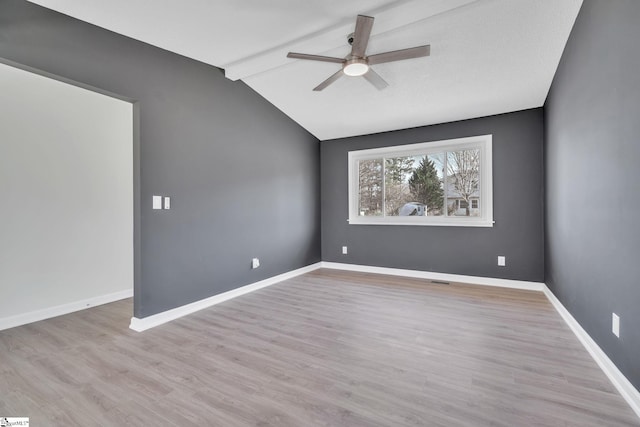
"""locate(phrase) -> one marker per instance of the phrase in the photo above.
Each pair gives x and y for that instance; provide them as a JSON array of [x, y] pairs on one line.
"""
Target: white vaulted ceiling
[[487, 56]]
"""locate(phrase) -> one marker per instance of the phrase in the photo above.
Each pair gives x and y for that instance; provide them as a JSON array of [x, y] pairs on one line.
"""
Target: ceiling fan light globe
[[354, 69]]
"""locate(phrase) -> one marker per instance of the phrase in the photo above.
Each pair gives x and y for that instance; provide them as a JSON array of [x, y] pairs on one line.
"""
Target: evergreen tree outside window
[[426, 186]]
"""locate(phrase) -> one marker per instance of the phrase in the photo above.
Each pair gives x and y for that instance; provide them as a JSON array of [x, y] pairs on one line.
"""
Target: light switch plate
[[157, 202], [502, 261], [167, 202], [615, 324]]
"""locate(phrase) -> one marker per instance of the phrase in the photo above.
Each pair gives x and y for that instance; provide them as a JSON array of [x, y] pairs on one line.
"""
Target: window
[[431, 183]]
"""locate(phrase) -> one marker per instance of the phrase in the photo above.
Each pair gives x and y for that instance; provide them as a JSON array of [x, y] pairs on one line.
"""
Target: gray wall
[[243, 177], [517, 198], [593, 181]]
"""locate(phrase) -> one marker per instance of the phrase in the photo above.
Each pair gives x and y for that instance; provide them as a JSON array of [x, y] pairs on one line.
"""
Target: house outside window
[[431, 183]]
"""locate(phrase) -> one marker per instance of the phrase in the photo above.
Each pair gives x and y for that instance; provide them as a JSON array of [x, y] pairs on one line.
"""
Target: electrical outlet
[[615, 324], [255, 263], [344, 250], [502, 261]]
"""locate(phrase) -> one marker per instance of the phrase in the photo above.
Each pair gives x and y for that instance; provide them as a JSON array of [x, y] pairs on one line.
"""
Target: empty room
[[325, 213]]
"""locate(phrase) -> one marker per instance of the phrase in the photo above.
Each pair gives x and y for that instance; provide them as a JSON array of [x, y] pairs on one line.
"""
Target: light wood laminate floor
[[328, 348]]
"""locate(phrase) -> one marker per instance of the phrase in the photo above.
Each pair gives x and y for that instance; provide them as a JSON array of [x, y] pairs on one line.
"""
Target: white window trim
[[483, 142]]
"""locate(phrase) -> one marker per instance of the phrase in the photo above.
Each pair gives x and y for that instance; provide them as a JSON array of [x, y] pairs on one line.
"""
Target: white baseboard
[[142, 324], [59, 310], [149, 322], [617, 378], [473, 280]]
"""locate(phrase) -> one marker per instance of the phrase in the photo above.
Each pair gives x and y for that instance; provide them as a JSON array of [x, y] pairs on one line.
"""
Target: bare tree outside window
[[463, 170], [396, 186], [370, 185]]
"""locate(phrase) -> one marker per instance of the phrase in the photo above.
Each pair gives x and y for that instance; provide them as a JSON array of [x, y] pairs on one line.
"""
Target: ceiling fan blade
[[361, 35], [375, 79], [314, 57], [399, 55], [327, 82]]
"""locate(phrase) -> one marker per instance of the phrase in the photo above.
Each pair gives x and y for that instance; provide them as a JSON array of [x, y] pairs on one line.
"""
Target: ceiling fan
[[357, 63]]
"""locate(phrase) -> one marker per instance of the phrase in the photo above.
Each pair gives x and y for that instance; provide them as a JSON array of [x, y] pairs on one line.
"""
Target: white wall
[[66, 197]]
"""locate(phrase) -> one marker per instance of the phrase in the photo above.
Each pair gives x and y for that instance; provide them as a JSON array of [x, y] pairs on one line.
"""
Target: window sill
[[459, 222]]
